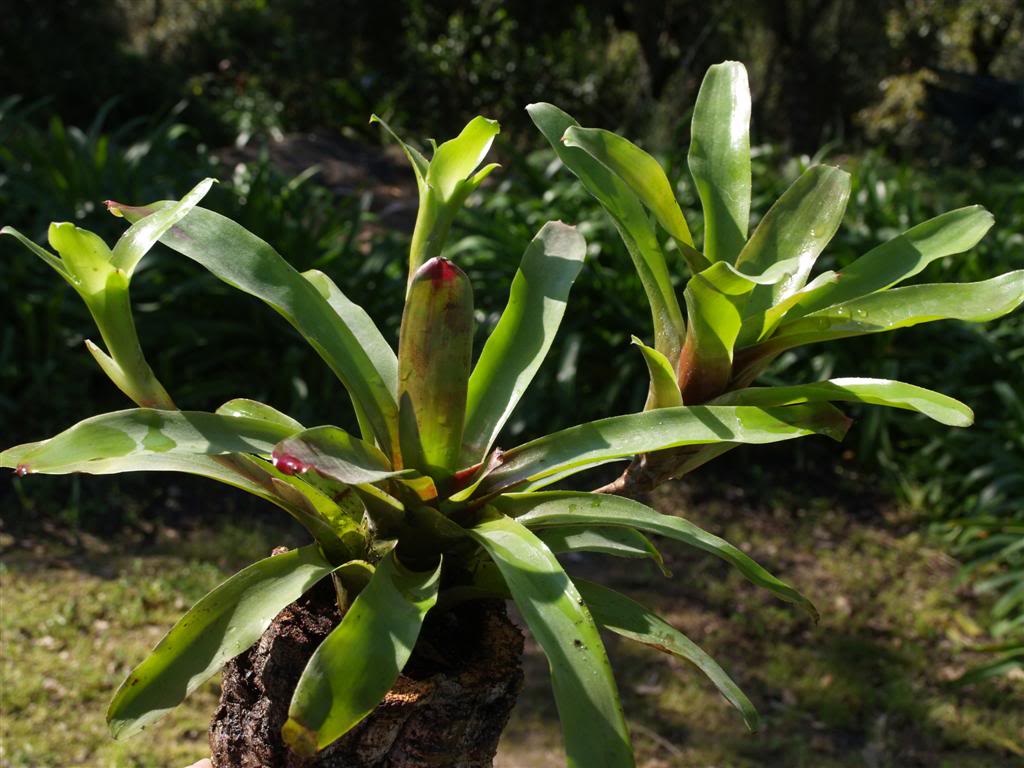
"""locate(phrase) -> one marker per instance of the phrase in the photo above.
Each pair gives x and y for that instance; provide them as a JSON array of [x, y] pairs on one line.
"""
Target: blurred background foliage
[[921, 100]]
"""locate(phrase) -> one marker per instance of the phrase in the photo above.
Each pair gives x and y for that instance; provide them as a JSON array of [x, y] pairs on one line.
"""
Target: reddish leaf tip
[[439, 270], [288, 465]]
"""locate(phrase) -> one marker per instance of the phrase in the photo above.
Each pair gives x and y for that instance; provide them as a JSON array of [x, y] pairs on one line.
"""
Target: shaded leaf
[[434, 353], [664, 391], [630, 619]]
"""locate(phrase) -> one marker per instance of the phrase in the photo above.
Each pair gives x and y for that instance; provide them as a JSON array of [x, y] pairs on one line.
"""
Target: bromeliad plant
[[422, 510]]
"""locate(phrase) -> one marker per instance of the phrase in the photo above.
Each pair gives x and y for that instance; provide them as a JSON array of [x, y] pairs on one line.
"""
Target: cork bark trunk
[[448, 709]]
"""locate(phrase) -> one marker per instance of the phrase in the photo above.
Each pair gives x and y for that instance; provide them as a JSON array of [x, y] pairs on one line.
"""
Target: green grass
[[869, 686]]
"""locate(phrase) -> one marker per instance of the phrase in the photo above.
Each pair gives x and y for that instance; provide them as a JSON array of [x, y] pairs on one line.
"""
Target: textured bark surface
[[447, 709]]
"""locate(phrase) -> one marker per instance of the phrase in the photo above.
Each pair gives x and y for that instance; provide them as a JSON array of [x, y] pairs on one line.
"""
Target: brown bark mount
[[448, 708]]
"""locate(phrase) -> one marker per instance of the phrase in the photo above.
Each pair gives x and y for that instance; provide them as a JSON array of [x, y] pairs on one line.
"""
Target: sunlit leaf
[[539, 510], [241, 259], [624, 436], [719, 159], [631, 221], [794, 232], [521, 339], [361, 659], [664, 390], [902, 257], [898, 308], [219, 627], [140, 237], [894, 394], [715, 300], [593, 728], [640, 172], [141, 439]]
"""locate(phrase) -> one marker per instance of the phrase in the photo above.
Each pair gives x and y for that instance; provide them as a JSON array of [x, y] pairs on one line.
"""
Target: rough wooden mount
[[448, 708]]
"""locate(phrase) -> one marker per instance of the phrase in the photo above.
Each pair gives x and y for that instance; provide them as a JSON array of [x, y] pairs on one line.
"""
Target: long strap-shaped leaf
[[632, 222], [641, 173], [894, 394], [622, 436], [143, 439], [794, 232], [361, 659], [719, 159], [630, 619], [593, 727], [899, 308], [539, 510], [900, 258], [243, 260], [521, 339], [617, 541], [219, 627]]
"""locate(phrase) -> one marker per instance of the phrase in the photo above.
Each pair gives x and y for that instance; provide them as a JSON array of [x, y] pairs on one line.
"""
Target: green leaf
[[664, 391], [539, 510], [719, 159], [434, 353], [219, 627], [894, 394], [361, 659], [521, 339], [902, 257], [715, 299], [144, 439], [624, 436], [759, 325], [641, 173], [632, 222], [368, 336], [333, 453], [139, 238], [241, 259], [457, 158], [251, 409], [52, 259], [899, 308], [794, 232], [418, 162], [630, 619], [444, 184], [604, 540], [593, 728]]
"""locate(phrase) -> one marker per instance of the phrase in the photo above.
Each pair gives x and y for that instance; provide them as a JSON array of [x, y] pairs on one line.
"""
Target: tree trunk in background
[[448, 708]]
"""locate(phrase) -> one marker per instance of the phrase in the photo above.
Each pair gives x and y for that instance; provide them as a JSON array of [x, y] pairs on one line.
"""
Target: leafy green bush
[[423, 508]]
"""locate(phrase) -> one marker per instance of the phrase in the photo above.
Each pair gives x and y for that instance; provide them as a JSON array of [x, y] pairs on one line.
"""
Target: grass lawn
[[869, 686]]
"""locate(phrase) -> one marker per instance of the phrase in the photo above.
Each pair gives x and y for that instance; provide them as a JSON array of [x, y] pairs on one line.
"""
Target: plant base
[[447, 709]]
